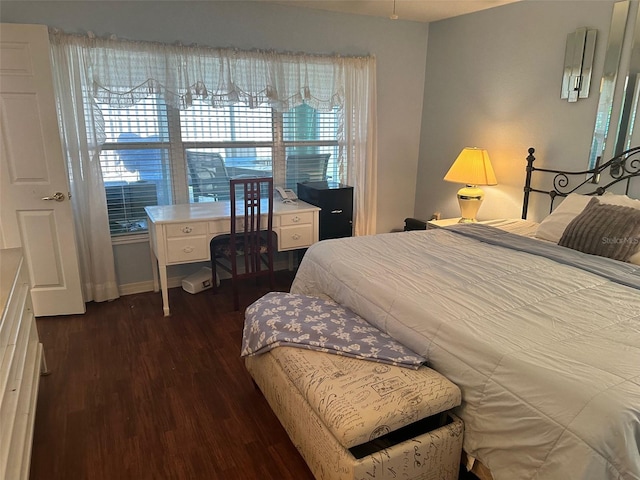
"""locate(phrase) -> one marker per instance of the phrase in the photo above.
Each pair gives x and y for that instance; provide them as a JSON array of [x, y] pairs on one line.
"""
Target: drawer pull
[[336, 211], [187, 229], [187, 249], [295, 219], [296, 236]]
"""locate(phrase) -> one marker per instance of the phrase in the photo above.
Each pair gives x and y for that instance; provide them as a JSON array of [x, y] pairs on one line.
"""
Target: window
[[311, 149], [89, 71], [155, 154]]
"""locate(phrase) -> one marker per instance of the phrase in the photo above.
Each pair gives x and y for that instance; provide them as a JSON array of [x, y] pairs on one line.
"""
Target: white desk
[[181, 233]]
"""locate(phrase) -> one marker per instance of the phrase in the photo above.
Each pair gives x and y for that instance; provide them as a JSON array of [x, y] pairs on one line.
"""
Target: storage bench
[[354, 419]]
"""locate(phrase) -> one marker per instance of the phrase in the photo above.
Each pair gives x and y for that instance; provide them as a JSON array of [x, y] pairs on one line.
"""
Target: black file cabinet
[[336, 202]]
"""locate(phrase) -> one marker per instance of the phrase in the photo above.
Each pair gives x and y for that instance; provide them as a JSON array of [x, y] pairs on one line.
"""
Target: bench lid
[[359, 400]]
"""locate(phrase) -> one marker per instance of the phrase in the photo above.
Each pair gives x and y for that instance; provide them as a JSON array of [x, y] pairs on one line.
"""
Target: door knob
[[58, 197]]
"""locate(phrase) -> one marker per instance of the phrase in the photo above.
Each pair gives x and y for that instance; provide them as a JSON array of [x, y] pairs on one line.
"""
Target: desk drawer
[[293, 237], [187, 249], [186, 229], [296, 218], [223, 226]]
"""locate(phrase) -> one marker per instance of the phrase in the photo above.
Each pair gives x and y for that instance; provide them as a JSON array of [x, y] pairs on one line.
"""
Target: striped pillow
[[606, 230]]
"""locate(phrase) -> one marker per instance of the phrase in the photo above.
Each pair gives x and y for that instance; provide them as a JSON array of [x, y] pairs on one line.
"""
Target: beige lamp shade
[[473, 168]]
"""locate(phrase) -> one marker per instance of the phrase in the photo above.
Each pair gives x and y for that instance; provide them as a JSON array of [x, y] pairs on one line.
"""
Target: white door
[[35, 210]]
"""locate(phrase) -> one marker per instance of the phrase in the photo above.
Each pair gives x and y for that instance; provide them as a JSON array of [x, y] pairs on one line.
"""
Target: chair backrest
[[306, 168], [252, 204], [207, 175]]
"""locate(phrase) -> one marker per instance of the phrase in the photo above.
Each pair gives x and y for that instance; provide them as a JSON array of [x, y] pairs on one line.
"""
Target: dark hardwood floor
[[135, 395]]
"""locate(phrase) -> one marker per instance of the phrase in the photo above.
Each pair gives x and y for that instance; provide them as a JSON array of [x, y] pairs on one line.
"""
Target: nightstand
[[445, 222]]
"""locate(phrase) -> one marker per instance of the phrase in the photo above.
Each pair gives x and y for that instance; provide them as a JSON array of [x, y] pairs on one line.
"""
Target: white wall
[[493, 81], [399, 48]]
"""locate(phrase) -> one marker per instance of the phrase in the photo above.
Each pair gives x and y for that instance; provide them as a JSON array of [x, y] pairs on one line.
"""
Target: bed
[[542, 339]]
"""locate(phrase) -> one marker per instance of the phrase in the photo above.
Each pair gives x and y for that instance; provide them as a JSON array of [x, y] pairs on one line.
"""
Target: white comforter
[[547, 355]]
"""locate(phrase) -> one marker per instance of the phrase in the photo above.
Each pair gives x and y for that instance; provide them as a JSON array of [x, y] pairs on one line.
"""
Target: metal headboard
[[622, 168]]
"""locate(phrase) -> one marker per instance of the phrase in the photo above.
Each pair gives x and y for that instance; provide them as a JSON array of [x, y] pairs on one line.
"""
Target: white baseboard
[[142, 287]]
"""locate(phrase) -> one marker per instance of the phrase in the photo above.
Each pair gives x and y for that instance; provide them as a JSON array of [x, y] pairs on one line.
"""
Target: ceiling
[[414, 10], [410, 10]]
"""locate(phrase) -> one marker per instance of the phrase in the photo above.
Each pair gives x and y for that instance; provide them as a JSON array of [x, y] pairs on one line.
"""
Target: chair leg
[[234, 280], [236, 296], [214, 279], [270, 266]]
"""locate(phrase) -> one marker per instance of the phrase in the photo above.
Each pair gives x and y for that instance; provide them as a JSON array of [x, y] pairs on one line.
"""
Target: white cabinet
[[21, 358]]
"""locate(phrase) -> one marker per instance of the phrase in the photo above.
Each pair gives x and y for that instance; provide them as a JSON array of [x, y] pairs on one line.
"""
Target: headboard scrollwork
[[620, 169]]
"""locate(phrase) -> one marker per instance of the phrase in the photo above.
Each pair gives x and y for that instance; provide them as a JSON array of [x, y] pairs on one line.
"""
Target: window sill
[[130, 239]]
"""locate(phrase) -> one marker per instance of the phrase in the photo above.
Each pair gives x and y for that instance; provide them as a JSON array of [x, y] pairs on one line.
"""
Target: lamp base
[[470, 198]]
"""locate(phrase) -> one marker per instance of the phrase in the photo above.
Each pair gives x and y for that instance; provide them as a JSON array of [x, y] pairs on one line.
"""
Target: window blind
[[157, 155], [135, 163]]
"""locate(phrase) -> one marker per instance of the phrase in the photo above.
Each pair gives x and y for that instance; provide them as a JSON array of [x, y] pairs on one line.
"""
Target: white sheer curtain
[[360, 141], [81, 139], [121, 73]]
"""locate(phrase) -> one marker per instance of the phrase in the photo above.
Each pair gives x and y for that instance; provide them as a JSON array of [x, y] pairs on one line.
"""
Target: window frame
[[176, 146]]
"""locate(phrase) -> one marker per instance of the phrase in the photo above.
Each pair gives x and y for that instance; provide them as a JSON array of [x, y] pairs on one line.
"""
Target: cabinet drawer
[[187, 249], [10, 323], [184, 229], [297, 236], [296, 218]]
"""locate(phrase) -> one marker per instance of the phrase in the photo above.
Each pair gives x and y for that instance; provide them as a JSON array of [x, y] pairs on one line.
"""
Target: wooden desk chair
[[251, 234]]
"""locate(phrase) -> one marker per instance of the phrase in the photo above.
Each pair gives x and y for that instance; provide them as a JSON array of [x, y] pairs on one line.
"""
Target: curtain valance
[[123, 72]]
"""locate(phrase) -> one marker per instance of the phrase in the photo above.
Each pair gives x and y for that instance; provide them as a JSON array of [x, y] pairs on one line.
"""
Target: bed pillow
[[606, 230], [552, 227], [625, 201], [622, 200]]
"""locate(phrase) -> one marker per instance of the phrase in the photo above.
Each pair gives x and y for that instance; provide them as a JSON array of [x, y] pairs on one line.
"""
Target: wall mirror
[[578, 63], [608, 82], [629, 106]]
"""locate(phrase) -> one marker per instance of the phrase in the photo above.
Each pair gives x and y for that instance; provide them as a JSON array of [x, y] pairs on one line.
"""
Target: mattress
[[546, 351]]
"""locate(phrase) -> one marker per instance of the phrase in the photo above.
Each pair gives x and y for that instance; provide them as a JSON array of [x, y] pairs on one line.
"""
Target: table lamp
[[473, 168]]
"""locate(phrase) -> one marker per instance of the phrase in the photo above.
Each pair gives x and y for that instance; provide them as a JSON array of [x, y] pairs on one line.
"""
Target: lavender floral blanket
[[302, 321]]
